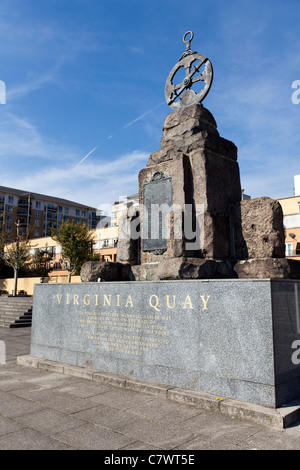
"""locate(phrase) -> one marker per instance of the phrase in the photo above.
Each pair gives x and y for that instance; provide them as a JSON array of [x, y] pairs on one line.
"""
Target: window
[[36, 232], [83, 213], [10, 199], [77, 212], [298, 249], [9, 228], [60, 209], [9, 218], [9, 209], [37, 222], [38, 204], [38, 213], [288, 249], [66, 210]]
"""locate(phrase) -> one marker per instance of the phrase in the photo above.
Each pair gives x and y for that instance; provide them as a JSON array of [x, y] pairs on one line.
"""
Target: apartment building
[[107, 233], [105, 239], [291, 220], [37, 213]]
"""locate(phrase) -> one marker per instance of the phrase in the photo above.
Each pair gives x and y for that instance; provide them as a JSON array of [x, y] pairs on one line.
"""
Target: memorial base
[[236, 339]]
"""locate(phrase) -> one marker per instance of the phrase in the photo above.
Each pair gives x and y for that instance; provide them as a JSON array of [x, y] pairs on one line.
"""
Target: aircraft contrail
[[142, 116], [84, 158], [124, 127]]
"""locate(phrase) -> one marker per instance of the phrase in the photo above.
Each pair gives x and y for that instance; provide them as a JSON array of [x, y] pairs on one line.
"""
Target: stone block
[[259, 230], [145, 272], [194, 128], [193, 268], [207, 185], [128, 238], [91, 271], [264, 268], [195, 113]]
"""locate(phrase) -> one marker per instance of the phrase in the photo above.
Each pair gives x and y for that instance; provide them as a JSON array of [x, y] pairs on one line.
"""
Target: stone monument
[[201, 297], [193, 224]]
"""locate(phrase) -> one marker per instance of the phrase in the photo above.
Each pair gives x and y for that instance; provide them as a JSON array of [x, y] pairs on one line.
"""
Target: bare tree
[[17, 254]]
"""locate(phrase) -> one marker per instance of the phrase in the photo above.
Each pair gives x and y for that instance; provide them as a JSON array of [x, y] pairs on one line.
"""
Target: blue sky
[[88, 77]]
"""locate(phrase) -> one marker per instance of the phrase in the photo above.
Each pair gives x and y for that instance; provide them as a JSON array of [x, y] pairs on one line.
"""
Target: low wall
[[27, 283]]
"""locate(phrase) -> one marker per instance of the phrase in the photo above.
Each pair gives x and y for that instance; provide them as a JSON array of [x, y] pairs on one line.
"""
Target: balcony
[[50, 216], [24, 203], [23, 211], [49, 225], [23, 222], [50, 207]]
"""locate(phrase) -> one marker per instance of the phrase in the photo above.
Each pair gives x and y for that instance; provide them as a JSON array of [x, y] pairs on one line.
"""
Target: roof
[[44, 197]]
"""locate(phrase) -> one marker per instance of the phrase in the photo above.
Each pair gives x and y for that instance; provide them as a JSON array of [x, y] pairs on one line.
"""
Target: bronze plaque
[[158, 200]]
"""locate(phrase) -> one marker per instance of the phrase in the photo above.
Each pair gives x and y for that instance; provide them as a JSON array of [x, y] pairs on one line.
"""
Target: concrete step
[[19, 324], [12, 319], [15, 312], [14, 308]]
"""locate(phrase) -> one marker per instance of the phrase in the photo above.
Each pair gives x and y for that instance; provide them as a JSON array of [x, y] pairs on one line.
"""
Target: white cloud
[[20, 139], [23, 89], [92, 183]]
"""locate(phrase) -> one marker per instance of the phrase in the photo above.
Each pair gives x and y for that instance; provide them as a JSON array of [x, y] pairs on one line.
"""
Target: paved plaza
[[42, 410]]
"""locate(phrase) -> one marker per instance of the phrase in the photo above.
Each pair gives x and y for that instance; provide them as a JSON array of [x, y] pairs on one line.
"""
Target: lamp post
[[16, 267], [28, 213]]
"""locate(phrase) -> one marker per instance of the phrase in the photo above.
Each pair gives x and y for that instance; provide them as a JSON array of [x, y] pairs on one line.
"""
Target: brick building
[[37, 213]]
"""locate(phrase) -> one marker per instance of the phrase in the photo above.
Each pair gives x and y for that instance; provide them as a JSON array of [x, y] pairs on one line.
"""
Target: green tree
[[41, 259], [76, 241]]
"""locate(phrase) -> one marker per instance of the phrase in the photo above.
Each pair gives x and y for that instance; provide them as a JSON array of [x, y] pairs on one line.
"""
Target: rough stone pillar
[[201, 168]]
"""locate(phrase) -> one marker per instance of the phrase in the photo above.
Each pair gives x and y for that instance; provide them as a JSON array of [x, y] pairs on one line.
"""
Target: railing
[[24, 202], [22, 212], [50, 216], [51, 207]]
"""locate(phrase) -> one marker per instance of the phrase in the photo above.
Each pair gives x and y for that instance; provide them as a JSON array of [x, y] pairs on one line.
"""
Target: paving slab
[[44, 409]]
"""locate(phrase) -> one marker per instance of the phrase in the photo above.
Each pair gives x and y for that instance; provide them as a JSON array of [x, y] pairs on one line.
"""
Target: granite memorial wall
[[231, 338]]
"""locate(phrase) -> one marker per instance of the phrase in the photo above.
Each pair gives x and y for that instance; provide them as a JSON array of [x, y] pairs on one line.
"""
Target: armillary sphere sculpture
[[197, 69]]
